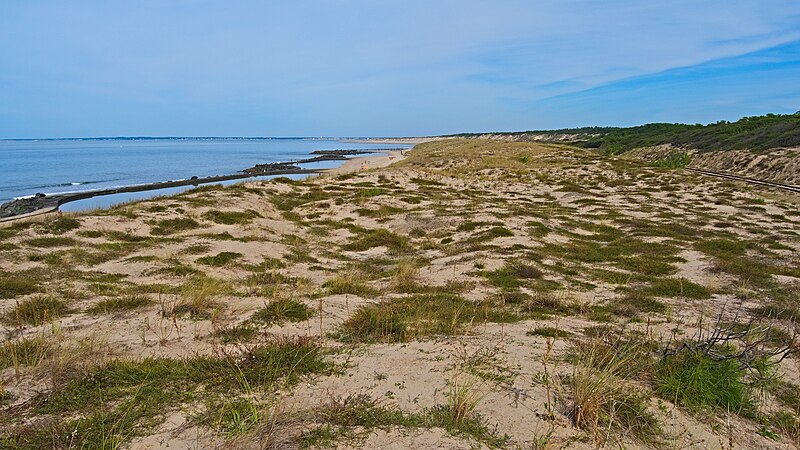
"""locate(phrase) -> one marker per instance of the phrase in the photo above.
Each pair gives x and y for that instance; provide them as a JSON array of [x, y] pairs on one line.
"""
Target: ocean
[[53, 166]]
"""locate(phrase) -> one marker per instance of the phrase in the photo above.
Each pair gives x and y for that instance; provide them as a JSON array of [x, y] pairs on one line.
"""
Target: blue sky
[[380, 68]]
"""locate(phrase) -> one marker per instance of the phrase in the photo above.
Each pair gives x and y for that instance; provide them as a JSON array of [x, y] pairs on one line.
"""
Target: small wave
[[58, 185]]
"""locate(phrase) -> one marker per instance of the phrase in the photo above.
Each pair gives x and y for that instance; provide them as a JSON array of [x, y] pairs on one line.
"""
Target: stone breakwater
[[42, 202]]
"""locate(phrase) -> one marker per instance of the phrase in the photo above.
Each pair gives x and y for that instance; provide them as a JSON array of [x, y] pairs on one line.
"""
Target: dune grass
[[601, 398], [350, 283], [49, 242], [378, 238], [12, 285], [219, 260], [419, 316], [198, 296], [124, 399], [37, 310], [168, 227], [696, 381], [231, 217], [25, 352], [282, 310], [120, 304]]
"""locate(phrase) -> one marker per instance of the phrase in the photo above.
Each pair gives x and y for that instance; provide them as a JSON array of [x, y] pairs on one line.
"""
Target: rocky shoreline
[[43, 202]]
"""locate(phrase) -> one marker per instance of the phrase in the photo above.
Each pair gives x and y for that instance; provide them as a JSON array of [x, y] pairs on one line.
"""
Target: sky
[[381, 68]]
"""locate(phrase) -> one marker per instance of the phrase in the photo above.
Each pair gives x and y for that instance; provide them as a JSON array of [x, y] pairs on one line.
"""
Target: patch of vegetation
[[243, 332], [13, 285], [175, 268], [378, 238], [125, 399], [172, 226], [419, 316], [382, 212], [600, 396], [723, 248], [424, 182], [635, 302], [405, 277], [48, 242], [287, 202], [512, 276], [198, 297], [7, 233], [60, 225], [696, 381], [470, 225], [219, 260], [351, 283], [674, 160], [24, 352], [352, 418], [677, 287], [231, 217], [37, 310], [550, 332], [282, 310], [490, 234]]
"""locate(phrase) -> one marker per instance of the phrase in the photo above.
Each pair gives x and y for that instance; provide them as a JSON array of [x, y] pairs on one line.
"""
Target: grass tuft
[[119, 304], [696, 381], [12, 286], [231, 217], [172, 226], [282, 310], [37, 310], [219, 260], [378, 238], [601, 398], [350, 283], [49, 242]]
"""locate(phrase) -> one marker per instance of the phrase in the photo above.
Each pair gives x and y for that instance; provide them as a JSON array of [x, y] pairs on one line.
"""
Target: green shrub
[[676, 160]]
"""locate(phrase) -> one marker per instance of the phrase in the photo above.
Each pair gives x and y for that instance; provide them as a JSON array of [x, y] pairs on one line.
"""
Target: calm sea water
[[57, 166]]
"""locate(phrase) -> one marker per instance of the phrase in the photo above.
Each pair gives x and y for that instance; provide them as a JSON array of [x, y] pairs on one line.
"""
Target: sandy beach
[[364, 163]]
